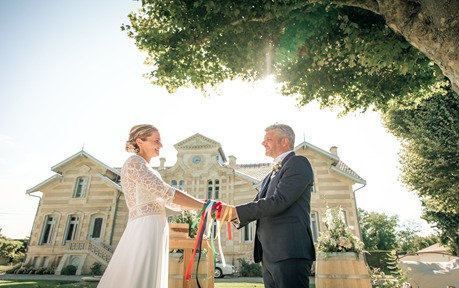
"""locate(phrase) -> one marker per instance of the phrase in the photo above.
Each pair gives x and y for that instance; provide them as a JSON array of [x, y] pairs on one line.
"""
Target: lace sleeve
[[145, 176]]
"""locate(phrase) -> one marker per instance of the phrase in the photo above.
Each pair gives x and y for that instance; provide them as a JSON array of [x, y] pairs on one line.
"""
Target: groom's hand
[[229, 213]]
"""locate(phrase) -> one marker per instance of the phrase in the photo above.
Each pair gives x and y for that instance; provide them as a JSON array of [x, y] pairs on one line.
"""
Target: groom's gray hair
[[283, 131]]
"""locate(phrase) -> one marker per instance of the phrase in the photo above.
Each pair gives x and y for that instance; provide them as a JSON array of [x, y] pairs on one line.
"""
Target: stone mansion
[[82, 212]]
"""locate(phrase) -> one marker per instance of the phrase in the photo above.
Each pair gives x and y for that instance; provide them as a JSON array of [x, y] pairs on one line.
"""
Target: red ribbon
[[197, 243], [216, 208]]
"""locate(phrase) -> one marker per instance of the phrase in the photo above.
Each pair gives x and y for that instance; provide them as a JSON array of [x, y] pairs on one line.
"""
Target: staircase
[[100, 251]]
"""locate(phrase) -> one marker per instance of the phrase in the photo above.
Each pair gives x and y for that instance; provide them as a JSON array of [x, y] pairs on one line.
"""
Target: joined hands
[[229, 213]]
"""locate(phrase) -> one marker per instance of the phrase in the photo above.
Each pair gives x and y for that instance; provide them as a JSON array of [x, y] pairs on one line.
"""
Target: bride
[[141, 258]]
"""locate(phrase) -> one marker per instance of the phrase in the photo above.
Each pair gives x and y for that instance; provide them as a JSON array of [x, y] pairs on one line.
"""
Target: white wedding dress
[[141, 258]]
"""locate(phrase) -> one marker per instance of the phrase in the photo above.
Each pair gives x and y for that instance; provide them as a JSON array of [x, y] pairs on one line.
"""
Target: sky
[[70, 79]]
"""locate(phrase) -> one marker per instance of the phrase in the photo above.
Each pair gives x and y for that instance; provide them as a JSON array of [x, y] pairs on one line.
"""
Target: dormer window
[[81, 187]]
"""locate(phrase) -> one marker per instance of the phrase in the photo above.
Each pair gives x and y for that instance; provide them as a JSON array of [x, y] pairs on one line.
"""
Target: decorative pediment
[[84, 169], [306, 145], [82, 154], [197, 141]]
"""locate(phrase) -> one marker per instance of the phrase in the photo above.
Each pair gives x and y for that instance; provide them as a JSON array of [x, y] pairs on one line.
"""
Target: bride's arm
[[186, 201]]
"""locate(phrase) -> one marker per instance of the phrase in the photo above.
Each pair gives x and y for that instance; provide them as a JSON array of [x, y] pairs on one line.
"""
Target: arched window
[[178, 184]]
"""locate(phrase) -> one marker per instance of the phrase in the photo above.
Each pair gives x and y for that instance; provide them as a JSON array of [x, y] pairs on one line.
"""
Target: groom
[[283, 238]]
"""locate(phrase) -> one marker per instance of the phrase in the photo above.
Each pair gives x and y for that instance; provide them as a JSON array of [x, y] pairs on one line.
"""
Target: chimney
[[232, 161], [334, 150], [162, 160]]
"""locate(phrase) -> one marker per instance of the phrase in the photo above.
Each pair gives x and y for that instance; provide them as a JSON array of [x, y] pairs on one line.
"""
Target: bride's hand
[[228, 212]]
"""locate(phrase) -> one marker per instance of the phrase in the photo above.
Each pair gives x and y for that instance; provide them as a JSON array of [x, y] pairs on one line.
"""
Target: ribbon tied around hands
[[212, 211]]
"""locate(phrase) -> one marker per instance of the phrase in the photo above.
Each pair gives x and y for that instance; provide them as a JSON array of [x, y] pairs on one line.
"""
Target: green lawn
[[52, 284], [234, 285], [239, 284], [42, 284]]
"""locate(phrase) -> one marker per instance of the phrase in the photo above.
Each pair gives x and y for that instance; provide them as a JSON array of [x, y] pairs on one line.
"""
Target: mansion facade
[[82, 212]]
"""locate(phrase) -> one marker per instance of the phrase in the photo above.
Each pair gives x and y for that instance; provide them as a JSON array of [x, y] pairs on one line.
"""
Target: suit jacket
[[283, 216]]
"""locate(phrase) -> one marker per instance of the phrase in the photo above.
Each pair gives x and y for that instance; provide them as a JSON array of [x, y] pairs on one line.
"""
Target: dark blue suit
[[282, 210]]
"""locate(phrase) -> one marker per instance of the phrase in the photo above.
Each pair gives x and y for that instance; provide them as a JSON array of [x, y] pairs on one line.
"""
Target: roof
[[344, 170], [435, 248], [110, 182], [338, 166], [199, 141], [256, 171], [306, 145], [260, 170], [44, 183], [57, 168], [251, 172]]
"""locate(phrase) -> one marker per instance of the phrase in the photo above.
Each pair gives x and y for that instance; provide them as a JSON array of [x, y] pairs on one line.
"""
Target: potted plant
[[340, 261], [338, 237]]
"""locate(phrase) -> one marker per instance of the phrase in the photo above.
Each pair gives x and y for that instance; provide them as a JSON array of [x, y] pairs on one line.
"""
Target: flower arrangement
[[277, 167], [338, 237], [131, 148]]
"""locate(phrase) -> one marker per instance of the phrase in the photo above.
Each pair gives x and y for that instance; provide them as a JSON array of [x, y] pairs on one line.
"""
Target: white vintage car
[[221, 271]]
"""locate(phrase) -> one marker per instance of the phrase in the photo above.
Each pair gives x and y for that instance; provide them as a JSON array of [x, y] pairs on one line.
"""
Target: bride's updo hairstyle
[[141, 131]]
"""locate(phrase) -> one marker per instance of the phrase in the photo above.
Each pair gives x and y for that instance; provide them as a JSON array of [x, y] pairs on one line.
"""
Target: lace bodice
[[144, 190]]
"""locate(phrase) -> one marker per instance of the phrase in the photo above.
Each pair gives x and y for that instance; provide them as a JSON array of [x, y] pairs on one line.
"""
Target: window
[[210, 188], [97, 227], [72, 228], [247, 233], [75, 261], [343, 215], [213, 189], [220, 159], [81, 187], [48, 229], [57, 260], [178, 184], [45, 261], [36, 262], [217, 189], [315, 225]]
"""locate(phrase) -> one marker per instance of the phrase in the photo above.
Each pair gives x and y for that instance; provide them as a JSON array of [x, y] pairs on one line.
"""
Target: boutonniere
[[277, 167]]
